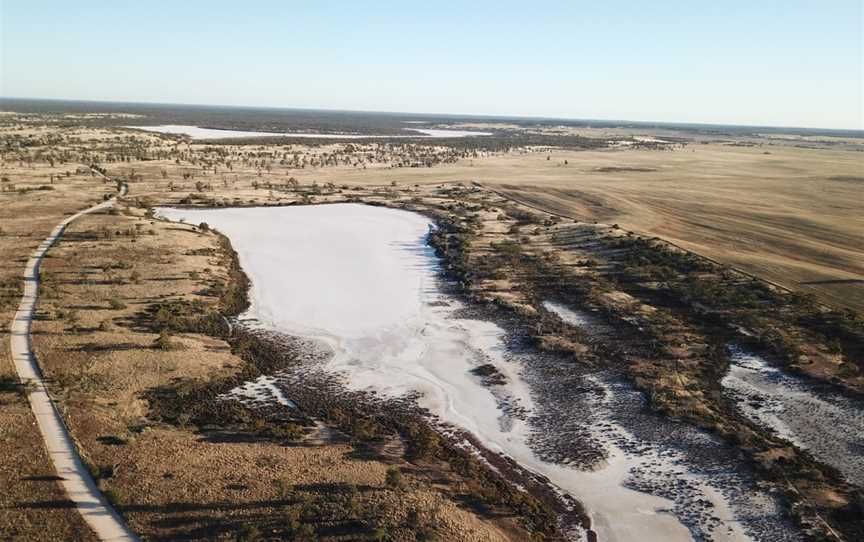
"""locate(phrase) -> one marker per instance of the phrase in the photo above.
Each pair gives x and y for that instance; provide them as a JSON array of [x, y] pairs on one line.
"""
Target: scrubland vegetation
[[136, 338]]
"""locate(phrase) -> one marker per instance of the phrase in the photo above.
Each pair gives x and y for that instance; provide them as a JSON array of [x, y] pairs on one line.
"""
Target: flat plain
[[130, 332], [788, 214]]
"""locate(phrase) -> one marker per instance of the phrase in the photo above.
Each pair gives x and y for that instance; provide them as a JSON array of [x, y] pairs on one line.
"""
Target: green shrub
[[394, 478], [248, 533], [114, 497], [164, 341]]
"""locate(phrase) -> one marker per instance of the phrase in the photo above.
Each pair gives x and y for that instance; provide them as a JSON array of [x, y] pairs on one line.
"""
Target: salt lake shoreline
[[321, 387], [548, 492], [315, 383], [199, 133]]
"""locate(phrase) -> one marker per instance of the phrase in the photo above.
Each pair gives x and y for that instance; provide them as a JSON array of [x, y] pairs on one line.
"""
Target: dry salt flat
[[710, 491], [362, 280], [262, 390], [827, 424], [196, 132]]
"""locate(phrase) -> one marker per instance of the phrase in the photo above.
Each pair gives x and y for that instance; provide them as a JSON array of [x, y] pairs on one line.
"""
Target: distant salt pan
[[196, 132], [430, 132]]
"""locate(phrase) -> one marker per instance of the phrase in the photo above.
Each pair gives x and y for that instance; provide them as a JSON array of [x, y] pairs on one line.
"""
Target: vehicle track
[[75, 479]]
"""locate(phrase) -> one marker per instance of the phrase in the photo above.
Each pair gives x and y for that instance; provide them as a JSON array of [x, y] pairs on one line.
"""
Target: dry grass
[[176, 482], [789, 214], [793, 216], [33, 506]]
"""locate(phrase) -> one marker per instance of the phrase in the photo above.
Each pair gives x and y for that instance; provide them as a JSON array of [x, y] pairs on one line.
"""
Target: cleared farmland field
[[792, 215]]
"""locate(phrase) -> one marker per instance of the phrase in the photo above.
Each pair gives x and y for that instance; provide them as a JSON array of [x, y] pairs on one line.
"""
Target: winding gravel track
[[76, 480]]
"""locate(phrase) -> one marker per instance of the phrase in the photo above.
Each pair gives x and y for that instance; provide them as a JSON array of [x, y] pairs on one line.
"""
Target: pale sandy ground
[[25, 469], [76, 480]]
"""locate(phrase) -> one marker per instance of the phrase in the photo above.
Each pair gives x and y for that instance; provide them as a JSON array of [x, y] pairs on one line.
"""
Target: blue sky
[[790, 63]]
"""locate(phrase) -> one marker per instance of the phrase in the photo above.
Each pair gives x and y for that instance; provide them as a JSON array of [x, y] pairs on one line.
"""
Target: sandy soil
[[72, 473], [163, 478], [33, 505], [781, 210], [791, 215]]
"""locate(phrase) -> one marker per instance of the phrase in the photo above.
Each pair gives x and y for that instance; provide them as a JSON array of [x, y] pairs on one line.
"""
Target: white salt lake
[[362, 280], [196, 132]]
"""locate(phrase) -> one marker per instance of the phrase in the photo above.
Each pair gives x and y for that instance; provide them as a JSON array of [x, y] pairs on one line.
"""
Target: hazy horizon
[[458, 115], [775, 64]]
